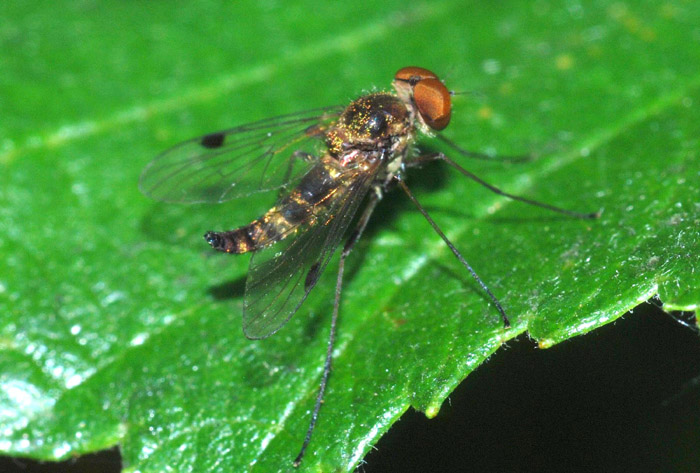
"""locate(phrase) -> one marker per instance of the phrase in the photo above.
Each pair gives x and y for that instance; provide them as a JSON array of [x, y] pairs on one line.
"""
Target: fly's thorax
[[374, 124]]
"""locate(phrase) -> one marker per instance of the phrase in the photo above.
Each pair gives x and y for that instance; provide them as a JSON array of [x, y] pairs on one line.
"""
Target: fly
[[366, 148]]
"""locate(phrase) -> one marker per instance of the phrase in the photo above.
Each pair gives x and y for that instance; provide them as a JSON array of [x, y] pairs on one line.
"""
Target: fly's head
[[423, 92], [375, 125]]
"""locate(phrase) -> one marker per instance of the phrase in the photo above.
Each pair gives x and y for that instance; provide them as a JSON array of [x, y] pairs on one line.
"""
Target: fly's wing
[[280, 277], [234, 163]]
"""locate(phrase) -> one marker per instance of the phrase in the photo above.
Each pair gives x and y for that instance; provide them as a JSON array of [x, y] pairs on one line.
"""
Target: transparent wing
[[234, 163], [280, 277]]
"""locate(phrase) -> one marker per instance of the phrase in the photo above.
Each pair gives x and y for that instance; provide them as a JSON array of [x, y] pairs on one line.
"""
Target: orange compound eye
[[433, 101], [414, 74]]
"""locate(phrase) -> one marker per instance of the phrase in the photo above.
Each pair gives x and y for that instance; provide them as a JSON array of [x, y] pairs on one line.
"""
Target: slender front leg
[[354, 237], [484, 156], [440, 156]]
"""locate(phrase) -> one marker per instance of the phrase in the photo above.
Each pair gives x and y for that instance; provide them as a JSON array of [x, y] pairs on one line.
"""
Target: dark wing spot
[[311, 276], [213, 140]]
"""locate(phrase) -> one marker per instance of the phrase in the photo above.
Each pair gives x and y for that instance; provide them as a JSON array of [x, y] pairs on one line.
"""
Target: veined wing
[[237, 162], [281, 277]]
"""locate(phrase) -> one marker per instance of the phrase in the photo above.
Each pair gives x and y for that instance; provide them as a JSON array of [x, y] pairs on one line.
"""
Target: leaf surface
[[119, 326]]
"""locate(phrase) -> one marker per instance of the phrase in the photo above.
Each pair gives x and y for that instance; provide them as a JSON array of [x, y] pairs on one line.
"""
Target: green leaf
[[119, 325]]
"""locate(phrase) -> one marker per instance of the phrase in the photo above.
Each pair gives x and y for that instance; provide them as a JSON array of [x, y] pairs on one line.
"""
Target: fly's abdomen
[[278, 223], [302, 207], [237, 241]]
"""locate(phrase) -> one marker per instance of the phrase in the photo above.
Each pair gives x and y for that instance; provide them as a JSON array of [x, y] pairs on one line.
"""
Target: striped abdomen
[[300, 207]]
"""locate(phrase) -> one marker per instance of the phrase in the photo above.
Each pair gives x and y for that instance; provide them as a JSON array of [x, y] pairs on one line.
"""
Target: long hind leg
[[354, 237]]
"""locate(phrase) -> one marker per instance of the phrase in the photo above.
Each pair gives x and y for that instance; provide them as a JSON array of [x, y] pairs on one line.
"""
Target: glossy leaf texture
[[118, 325]]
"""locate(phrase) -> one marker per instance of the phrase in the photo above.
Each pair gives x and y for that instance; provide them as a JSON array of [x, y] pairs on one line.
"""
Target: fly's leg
[[455, 251], [485, 156], [440, 156], [418, 161], [354, 237]]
